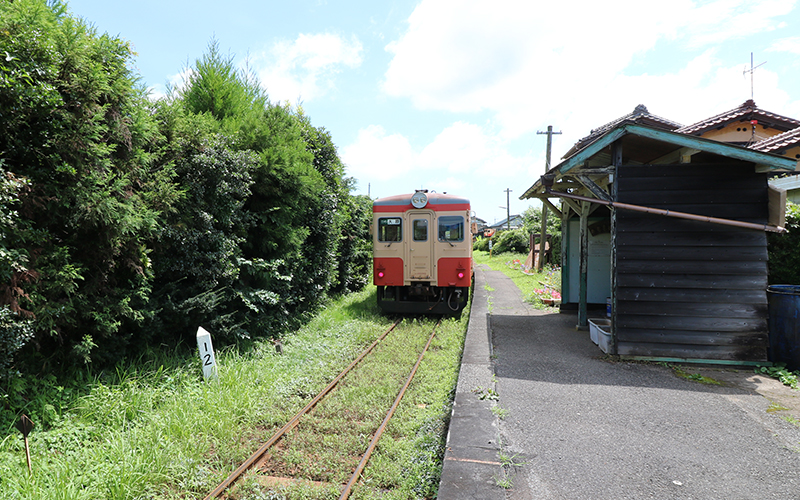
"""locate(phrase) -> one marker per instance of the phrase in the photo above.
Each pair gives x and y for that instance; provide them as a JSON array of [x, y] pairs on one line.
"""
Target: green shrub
[[784, 257], [516, 240], [481, 244]]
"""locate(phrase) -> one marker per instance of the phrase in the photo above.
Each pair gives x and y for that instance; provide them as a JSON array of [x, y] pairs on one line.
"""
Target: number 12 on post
[[206, 354]]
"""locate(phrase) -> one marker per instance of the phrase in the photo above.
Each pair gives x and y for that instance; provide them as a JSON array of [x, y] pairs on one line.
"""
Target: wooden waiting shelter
[[671, 227]]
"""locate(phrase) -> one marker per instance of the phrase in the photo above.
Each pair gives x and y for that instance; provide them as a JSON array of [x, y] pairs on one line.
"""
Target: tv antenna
[[752, 70]]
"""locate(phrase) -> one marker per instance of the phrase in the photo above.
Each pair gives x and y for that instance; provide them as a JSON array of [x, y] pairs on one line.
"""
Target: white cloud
[[306, 68], [724, 20], [378, 156], [790, 45], [530, 63], [461, 153]]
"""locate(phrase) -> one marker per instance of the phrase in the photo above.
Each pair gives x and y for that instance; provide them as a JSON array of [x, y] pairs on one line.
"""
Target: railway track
[[260, 459]]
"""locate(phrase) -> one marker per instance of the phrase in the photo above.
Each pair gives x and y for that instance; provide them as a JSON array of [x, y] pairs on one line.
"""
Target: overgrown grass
[[530, 284], [158, 430]]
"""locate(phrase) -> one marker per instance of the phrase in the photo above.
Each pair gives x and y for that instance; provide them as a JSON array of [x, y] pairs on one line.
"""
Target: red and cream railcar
[[422, 253]]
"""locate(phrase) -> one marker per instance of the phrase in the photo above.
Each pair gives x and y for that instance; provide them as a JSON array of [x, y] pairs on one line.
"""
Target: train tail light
[[380, 274], [461, 275]]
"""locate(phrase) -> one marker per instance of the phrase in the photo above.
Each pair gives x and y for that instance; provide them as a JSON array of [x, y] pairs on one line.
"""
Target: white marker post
[[206, 354]]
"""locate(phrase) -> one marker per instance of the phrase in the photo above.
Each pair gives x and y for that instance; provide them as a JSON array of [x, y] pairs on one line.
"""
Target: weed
[[792, 420], [779, 371], [509, 460], [503, 480], [484, 394], [774, 407], [499, 412], [695, 377]]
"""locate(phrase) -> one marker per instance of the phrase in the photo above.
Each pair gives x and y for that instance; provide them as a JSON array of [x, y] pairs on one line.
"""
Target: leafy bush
[[784, 258], [516, 240], [15, 332], [481, 244]]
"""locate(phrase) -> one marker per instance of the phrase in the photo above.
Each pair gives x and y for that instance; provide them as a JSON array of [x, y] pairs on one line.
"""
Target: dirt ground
[[783, 400]]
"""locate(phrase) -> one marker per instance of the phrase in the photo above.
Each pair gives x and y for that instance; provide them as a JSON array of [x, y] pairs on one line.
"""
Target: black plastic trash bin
[[784, 324]]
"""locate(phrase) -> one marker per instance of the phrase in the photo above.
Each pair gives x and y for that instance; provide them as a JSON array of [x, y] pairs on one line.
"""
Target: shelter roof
[[746, 112], [648, 145], [640, 115]]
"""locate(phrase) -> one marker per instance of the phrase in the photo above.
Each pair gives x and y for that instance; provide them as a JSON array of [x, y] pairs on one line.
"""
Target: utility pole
[[508, 208], [543, 231]]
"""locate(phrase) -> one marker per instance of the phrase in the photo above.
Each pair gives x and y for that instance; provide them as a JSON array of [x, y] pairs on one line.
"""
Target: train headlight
[[419, 200]]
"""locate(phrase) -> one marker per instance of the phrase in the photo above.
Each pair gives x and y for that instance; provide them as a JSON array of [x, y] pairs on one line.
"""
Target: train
[[422, 253]]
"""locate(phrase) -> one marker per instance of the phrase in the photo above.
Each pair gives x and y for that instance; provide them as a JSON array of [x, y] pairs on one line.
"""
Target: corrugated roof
[[747, 111]]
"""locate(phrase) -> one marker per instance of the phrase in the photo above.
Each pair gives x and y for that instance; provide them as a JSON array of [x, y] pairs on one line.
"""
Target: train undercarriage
[[422, 298]]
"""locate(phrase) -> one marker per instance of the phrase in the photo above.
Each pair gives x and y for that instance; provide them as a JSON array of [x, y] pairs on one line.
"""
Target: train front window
[[451, 228], [390, 229], [420, 230]]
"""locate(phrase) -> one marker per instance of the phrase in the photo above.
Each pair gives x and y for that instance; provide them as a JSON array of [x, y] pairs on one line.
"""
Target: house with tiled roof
[[745, 125], [760, 130]]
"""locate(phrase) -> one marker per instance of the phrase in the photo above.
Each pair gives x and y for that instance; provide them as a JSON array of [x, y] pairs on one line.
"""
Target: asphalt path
[[572, 423]]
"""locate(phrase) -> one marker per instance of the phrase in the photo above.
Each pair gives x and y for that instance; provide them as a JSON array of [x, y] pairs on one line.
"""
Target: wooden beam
[[596, 190], [573, 205], [681, 155], [552, 207]]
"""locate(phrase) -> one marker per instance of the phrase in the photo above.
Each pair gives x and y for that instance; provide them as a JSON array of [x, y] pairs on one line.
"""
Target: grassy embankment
[[157, 430]]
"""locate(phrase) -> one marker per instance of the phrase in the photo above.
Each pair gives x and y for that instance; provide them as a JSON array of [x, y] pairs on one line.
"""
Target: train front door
[[420, 246]]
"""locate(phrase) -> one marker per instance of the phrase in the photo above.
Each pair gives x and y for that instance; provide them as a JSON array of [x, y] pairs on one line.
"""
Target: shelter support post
[[583, 319]]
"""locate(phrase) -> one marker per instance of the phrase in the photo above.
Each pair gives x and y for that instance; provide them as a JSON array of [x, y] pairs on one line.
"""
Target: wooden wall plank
[[717, 267], [677, 252], [698, 295], [725, 353], [742, 238], [693, 281], [672, 197], [688, 337], [720, 324], [694, 309]]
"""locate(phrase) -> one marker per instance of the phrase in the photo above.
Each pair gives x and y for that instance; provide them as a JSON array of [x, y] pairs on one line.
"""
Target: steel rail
[[255, 457], [357, 474]]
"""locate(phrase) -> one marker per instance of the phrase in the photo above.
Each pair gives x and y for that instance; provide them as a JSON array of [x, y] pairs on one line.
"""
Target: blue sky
[[449, 95]]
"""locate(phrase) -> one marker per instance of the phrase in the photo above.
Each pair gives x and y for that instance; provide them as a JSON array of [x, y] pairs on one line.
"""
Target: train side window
[[390, 229], [420, 230], [451, 228]]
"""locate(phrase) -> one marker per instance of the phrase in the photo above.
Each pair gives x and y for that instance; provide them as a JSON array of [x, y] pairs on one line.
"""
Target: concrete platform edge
[[471, 461]]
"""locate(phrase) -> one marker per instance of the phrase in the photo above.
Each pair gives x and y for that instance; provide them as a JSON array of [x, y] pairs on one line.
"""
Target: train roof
[[436, 201]]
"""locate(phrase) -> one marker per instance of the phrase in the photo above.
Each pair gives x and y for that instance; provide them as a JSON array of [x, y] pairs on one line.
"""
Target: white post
[[206, 354]]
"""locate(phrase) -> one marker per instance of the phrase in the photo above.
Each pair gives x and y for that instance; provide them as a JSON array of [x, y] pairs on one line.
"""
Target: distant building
[[516, 223]]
